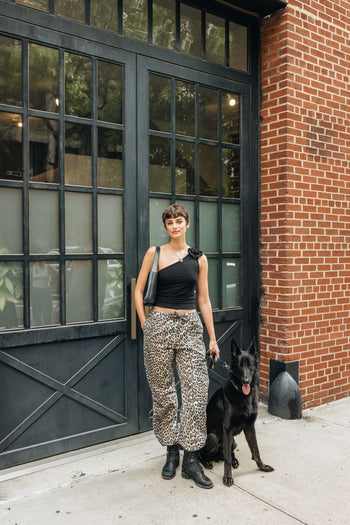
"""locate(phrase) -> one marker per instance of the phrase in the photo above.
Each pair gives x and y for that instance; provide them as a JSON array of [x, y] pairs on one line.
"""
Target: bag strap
[[155, 260]]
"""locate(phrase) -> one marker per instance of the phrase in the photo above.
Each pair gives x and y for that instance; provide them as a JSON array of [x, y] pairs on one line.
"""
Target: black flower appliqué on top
[[194, 253]]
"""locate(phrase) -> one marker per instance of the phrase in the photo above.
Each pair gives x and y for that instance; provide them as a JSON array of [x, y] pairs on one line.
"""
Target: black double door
[[71, 386]]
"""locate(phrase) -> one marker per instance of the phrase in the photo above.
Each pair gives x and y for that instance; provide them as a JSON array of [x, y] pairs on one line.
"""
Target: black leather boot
[[172, 462], [191, 469]]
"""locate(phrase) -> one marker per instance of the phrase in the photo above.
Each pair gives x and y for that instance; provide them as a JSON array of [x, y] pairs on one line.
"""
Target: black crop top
[[177, 282]]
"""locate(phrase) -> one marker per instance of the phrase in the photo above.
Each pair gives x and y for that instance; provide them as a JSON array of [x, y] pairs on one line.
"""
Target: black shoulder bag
[[150, 292]]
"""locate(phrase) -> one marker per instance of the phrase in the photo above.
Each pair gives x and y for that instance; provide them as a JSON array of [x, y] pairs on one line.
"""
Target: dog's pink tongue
[[246, 390]]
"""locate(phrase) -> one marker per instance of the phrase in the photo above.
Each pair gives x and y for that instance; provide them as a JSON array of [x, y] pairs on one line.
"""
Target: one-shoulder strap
[[155, 260]]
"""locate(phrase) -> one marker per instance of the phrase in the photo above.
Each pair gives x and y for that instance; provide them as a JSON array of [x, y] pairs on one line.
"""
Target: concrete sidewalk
[[120, 482]]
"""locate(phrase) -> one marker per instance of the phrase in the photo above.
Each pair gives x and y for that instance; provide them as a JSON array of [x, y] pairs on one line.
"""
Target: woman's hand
[[214, 346]]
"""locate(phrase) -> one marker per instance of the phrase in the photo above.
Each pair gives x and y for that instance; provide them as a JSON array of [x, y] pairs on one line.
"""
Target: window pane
[[157, 232], [238, 50], [164, 26], [230, 173], [11, 227], [185, 108], [185, 168], [160, 165], [11, 295], [191, 234], [208, 224], [213, 282], [43, 78], [111, 289], [231, 288], [230, 118], [43, 150], [43, 221], [79, 291], [78, 222], [215, 39], [37, 4], [231, 228], [74, 9], [135, 19], [110, 90], [110, 158], [190, 30], [159, 103], [104, 14], [208, 113], [208, 170], [10, 71], [77, 156], [110, 223], [44, 293], [77, 85], [11, 146]]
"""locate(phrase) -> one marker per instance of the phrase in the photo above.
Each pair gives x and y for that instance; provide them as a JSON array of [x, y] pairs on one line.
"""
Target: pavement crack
[[266, 502]]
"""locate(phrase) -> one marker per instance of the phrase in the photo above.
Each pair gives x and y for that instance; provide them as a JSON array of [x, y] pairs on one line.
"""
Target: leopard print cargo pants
[[177, 339]]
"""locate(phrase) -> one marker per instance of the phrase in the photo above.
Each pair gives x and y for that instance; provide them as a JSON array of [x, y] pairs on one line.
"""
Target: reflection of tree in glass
[[11, 291], [190, 30], [111, 302], [215, 41], [135, 19], [10, 283], [185, 108], [104, 14], [78, 85], [109, 92], [10, 71], [164, 24], [185, 173], [159, 103], [43, 78], [230, 173], [10, 146], [159, 152], [230, 118]]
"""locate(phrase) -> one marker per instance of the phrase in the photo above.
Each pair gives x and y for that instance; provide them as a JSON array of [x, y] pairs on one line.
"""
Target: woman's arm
[[141, 283], [205, 304]]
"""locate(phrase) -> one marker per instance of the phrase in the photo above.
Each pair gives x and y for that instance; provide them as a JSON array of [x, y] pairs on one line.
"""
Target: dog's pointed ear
[[252, 347], [235, 350]]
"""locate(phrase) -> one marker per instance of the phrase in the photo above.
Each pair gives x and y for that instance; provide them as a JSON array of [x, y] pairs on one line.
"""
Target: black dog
[[232, 409]]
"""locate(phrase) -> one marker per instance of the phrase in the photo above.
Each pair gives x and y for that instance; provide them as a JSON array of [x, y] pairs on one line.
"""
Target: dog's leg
[[208, 451], [227, 450], [234, 460], [250, 436]]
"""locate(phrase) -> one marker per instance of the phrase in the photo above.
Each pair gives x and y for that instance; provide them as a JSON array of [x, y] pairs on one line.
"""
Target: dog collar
[[234, 384]]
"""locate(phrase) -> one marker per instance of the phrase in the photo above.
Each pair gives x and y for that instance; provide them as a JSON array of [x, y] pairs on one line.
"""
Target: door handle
[[133, 310]]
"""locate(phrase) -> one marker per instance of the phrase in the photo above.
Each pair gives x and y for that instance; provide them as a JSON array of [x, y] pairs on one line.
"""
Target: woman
[[173, 333]]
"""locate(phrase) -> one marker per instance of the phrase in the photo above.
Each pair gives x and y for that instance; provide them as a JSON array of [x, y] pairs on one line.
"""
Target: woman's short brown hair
[[175, 210]]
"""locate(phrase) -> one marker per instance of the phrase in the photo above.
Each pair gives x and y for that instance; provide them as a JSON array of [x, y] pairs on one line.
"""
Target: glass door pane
[[195, 160]]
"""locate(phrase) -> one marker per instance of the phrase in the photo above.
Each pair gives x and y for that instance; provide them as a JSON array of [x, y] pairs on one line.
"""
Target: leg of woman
[[159, 365], [193, 374]]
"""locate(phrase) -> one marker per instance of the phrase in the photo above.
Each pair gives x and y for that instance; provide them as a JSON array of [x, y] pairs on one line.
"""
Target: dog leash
[[215, 360]]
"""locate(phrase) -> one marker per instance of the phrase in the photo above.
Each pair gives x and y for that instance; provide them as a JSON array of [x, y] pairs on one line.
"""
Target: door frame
[[241, 322], [114, 336]]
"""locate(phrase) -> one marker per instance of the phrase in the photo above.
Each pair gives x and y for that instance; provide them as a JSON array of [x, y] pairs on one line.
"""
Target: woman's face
[[176, 227]]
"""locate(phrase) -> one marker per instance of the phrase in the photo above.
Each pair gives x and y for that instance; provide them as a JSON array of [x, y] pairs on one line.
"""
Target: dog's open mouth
[[246, 389]]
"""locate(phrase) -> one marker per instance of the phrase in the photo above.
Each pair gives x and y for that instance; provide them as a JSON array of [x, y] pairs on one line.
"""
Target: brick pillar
[[305, 195]]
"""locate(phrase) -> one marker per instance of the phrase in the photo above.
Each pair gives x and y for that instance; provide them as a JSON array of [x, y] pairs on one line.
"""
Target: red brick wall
[[305, 196]]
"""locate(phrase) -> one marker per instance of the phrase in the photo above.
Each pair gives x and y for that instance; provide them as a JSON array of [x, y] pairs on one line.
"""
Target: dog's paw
[[207, 463], [267, 468], [227, 481], [235, 463]]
